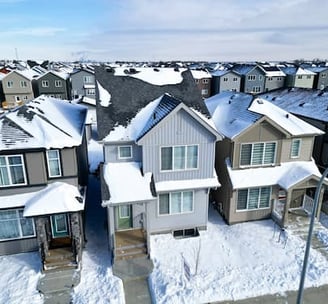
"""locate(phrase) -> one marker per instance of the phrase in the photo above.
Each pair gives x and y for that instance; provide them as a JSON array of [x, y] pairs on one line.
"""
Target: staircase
[[59, 259]]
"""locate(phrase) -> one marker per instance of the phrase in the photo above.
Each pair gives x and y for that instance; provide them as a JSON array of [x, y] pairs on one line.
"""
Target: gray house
[[43, 166], [297, 77], [83, 84], [159, 161], [252, 78], [225, 80], [265, 161], [53, 84], [321, 77], [274, 77]]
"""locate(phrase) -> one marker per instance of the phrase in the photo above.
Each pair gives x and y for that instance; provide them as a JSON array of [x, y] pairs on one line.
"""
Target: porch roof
[[57, 197], [15, 201], [126, 183], [286, 175]]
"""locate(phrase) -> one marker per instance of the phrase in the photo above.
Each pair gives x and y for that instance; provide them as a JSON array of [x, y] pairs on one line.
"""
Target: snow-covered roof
[[171, 185], [291, 70], [286, 175], [57, 197], [200, 74], [15, 201], [44, 122], [104, 96], [223, 72], [229, 111], [307, 103], [233, 113], [272, 71], [126, 183], [156, 76], [292, 124], [61, 75], [317, 69]]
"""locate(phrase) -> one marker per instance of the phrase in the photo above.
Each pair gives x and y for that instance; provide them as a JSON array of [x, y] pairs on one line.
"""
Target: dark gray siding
[[227, 82], [258, 82], [18, 246], [52, 90], [179, 129], [78, 85]]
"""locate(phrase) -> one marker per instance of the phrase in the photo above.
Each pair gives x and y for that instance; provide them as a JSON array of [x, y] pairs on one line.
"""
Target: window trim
[[251, 77], [299, 148], [45, 83], [258, 202], [57, 81], [10, 178], [120, 211], [124, 157], [262, 164], [180, 213], [87, 79], [23, 84], [177, 170], [10, 84], [18, 218], [59, 163], [205, 80]]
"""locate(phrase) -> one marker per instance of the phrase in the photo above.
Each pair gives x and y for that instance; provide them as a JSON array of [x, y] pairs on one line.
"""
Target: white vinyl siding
[[23, 84], [179, 158], [53, 159], [176, 203], [14, 226], [295, 148], [12, 171], [254, 198], [257, 154]]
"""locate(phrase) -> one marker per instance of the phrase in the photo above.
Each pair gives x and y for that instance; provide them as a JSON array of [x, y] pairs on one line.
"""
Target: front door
[[124, 217], [59, 225]]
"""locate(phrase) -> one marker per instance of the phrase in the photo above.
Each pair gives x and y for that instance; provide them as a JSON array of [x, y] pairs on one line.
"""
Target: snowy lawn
[[231, 262]]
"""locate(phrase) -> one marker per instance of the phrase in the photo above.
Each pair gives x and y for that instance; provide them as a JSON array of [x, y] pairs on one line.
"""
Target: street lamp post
[[309, 238]]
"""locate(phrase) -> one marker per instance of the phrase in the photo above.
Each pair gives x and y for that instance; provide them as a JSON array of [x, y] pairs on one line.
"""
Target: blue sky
[[214, 30]]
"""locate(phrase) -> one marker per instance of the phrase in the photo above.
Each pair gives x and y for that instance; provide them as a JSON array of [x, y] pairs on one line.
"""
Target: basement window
[[185, 233]]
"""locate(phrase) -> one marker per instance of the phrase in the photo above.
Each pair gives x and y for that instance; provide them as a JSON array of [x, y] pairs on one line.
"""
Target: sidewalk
[[315, 295]]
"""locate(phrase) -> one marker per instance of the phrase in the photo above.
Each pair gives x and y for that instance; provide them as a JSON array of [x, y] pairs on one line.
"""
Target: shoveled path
[[134, 274]]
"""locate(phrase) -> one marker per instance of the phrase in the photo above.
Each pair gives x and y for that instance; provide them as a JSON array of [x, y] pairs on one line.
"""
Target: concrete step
[[130, 250], [57, 298], [131, 256], [136, 245]]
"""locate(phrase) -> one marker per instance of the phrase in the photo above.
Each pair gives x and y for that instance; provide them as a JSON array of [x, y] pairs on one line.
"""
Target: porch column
[[76, 234], [111, 227], [284, 220], [322, 190], [41, 234]]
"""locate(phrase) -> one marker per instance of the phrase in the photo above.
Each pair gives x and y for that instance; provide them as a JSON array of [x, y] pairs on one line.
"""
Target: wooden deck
[[130, 244]]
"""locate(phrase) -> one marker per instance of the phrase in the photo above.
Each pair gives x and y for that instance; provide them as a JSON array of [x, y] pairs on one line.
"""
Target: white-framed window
[[323, 75], [88, 79], [279, 78], [25, 98], [253, 198], [45, 83], [53, 160], [197, 80], [124, 152], [251, 77], [270, 78], [124, 211], [299, 76], [10, 84], [23, 84], [256, 89], [234, 79], [260, 77], [295, 148], [58, 83], [308, 76], [14, 226], [17, 98], [205, 80], [257, 154], [90, 92], [12, 171], [204, 91], [176, 203], [225, 79], [179, 158]]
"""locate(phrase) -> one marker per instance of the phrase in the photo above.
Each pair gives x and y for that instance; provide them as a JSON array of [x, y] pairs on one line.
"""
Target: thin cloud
[[36, 31]]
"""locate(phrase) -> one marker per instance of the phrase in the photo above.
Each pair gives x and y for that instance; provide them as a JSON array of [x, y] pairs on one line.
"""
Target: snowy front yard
[[231, 262]]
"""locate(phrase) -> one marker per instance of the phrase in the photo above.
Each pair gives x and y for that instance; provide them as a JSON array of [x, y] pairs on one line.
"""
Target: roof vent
[[287, 115], [176, 69], [273, 98], [259, 101], [156, 69], [301, 104], [154, 115]]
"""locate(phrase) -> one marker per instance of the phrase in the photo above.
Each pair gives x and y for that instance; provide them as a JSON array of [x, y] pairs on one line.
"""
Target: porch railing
[[308, 203]]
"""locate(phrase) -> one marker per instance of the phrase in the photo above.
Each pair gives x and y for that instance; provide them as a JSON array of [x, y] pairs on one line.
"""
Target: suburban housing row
[[167, 154]]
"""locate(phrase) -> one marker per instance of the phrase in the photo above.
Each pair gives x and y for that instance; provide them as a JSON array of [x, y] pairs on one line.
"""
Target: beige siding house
[[265, 162]]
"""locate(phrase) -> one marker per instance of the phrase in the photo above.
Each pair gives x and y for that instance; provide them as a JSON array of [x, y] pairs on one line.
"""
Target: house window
[[295, 148], [197, 80], [87, 79], [58, 83], [12, 171], [23, 84], [25, 98], [324, 75], [90, 91], [204, 91], [176, 203], [257, 154], [225, 79], [179, 158], [17, 98], [205, 80], [14, 226], [10, 84], [45, 83], [260, 77], [251, 77], [299, 77], [124, 211], [256, 89], [279, 78], [235, 79], [53, 159], [308, 76], [270, 78], [254, 198], [125, 152]]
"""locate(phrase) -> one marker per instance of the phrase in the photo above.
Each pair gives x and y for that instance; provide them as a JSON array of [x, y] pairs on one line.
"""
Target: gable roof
[[127, 95], [233, 113], [42, 123]]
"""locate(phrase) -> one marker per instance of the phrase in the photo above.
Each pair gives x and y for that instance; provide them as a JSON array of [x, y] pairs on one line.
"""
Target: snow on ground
[[19, 277], [235, 262], [95, 155]]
